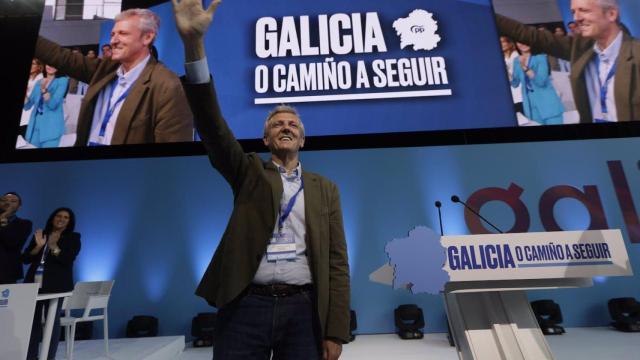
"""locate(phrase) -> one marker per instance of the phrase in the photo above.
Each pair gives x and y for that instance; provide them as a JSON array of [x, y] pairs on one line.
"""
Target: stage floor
[[599, 343], [156, 348]]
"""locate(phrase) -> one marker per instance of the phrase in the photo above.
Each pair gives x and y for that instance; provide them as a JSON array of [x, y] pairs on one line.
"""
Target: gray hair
[[149, 21], [607, 4], [282, 109], [610, 4]]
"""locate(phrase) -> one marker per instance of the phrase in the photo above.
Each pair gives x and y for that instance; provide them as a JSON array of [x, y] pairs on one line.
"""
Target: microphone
[[438, 205], [456, 199]]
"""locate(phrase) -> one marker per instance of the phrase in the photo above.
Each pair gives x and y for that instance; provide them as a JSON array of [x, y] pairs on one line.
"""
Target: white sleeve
[[197, 72]]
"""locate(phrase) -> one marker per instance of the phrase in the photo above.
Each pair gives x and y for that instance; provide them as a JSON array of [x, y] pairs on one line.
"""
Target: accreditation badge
[[37, 278], [281, 247]]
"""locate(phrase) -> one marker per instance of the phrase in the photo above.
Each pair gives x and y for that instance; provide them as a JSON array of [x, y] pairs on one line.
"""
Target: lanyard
[[112, 108], [44, 254], [604, 88], [287, 210]]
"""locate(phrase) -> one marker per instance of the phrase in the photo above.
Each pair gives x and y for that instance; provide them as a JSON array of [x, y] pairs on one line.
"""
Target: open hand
[[332, 350], [192, 20], [41, 239]]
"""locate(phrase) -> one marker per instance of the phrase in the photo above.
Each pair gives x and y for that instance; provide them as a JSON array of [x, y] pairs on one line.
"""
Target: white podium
[[485, 299], [17, 304]]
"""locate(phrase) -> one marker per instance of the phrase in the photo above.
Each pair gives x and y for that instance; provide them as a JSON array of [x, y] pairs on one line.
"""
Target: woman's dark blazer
[[58, 270]]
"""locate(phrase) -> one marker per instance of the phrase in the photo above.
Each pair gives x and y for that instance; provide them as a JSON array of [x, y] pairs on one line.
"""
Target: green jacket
[[579, 51], [257, 190]]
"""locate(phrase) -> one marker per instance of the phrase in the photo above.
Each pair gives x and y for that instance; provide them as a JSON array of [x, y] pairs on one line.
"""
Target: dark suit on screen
[[155, 111], [579, 51], [257, 189]]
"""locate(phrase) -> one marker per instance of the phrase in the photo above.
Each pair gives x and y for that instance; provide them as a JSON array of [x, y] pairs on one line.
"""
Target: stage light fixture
[[142, 326], [625, 313], [549, 316], [409, 321], [202, 327]]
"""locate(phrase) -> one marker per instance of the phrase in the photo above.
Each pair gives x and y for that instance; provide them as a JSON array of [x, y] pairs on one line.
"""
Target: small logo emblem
[[417, 29]]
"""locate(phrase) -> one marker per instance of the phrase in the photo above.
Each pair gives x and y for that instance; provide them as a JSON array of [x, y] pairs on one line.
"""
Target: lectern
[[485, 299], [17, 304]]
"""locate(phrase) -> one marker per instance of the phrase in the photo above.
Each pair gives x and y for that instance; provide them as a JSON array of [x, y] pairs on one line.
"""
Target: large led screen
[[354, 68]]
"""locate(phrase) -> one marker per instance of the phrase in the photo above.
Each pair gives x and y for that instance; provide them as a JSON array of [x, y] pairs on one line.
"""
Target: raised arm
[[192, 22], [540, 41], [68, 63], [225, 153]]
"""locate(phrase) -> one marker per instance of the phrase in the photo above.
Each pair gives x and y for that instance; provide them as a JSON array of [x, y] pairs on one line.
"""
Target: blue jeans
[[254, 327]]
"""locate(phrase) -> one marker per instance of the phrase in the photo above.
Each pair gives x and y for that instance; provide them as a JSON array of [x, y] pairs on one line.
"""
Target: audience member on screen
[[35, 74], [106, 50], [263, 259], [91, 54], [14, 232], [50, 255], [132, 99], [540, 100], [510, 54], [601, 54], [46, 125]]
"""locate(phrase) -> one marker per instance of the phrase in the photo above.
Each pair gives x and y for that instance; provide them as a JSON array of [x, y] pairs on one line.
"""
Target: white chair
[[88, 296]]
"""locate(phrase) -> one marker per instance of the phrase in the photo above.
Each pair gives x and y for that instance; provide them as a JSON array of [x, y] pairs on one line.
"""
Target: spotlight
[[409, 320], [202, 327], [353, 324], [625, 313], [142, 326], [549, 316]]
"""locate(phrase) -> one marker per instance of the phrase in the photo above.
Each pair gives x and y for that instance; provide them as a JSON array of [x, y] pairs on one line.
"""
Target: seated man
[[132, 99]]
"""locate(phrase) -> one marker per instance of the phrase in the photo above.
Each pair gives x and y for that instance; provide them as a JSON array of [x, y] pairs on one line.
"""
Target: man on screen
[[602, 55], [280, 275], [131, 99]]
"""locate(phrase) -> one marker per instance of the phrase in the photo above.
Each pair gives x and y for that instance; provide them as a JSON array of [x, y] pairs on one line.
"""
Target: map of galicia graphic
[[417, 261], [418, 30]]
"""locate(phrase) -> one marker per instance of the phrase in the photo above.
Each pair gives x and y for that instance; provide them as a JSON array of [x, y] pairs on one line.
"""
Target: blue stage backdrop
[[316, 55], [153, 224]]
